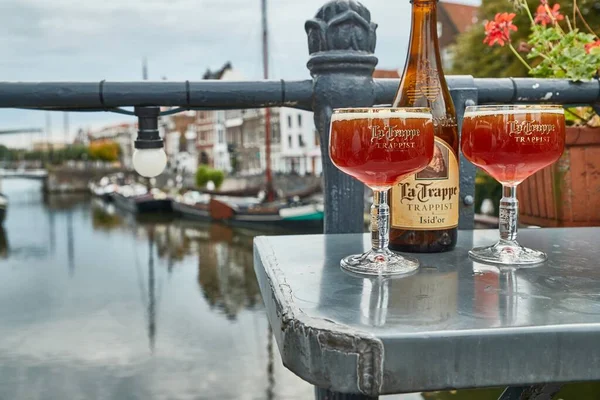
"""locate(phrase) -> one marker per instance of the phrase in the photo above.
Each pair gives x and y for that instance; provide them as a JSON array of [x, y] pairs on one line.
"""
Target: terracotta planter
[[568, 192]]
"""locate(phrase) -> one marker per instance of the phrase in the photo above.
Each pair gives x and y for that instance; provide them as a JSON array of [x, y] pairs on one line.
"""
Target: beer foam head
[[491, 111], [350, 116]]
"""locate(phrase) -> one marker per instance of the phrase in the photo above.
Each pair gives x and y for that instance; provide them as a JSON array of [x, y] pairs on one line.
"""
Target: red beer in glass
[[514, 144], [380, 147], [383, 148], [511, 143]]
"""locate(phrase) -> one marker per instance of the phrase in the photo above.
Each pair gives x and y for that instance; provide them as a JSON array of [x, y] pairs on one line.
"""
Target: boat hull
[[308, 217], [192, 212], [142, 205], [3, 207], [108, 197]]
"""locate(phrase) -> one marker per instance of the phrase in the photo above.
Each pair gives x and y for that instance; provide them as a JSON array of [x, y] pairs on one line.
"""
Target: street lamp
[[149, 157]]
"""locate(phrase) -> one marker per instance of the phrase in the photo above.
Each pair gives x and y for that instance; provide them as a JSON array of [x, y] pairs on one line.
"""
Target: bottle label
[[429, 199]]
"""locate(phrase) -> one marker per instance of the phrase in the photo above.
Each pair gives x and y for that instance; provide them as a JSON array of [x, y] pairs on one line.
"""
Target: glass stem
[[509, 214], [380, 221]]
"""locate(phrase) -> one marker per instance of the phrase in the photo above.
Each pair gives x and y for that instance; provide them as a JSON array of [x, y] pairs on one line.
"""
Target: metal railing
[[339, 89]]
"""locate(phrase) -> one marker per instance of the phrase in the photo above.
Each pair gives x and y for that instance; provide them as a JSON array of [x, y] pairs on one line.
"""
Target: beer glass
[[511, 143], [380, 147]]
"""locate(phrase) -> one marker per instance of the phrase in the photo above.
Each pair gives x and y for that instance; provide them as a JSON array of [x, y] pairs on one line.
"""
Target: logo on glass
[[530, 132], [392, 138]]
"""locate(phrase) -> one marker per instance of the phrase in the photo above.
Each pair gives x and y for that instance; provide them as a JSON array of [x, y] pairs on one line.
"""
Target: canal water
[[96, 304]]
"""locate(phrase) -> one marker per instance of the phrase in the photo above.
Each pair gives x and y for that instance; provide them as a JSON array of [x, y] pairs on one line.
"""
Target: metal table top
[[454, 324]]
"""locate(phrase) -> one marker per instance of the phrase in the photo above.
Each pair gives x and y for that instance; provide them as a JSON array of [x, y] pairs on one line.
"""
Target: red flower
[[590, 46], [498, 30], [544, 15]]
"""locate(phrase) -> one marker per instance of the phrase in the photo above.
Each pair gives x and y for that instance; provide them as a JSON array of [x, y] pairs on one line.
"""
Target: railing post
[[341, 41], [464, 93]]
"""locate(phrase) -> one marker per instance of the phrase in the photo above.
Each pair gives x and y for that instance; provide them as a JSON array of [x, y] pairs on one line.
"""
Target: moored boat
[[3, 207], [193, 205], [291, 214], [137, 199], [106, 187]]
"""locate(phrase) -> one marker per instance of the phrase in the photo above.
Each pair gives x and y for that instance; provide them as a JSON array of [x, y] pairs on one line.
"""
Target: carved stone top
[[341, 25]]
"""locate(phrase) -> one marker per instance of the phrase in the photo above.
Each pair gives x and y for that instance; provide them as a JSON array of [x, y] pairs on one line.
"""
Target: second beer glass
[[511, 143], [380, 147]]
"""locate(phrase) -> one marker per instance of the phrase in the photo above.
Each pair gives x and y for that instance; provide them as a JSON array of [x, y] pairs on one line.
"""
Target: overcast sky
[[90, 40]]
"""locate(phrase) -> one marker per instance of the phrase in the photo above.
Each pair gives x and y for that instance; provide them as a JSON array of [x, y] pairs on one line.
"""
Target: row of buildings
[[230, 140]]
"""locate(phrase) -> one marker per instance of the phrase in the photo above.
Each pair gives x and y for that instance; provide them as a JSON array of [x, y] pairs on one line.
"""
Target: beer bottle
[[424, 207]]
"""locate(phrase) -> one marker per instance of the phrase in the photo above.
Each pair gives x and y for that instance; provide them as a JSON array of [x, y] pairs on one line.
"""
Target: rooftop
[[463, 16]]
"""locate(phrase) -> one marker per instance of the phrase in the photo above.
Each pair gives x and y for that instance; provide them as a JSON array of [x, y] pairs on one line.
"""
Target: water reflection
[[225, 273], [424, 298], [3, 243], [118, 306]]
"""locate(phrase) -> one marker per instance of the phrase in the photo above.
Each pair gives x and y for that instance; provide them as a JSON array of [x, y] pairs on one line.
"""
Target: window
[[440, 29], [220, 133], [203, 137], [275, 134], [289, 121], [290, 141], [300, 120], [300, 141]]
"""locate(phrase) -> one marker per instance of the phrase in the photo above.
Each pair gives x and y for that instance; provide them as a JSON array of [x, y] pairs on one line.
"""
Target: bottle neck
[[424, 46]]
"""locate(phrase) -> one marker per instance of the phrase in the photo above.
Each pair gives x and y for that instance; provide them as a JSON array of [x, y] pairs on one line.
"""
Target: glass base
[[380, 263], [507, 253]]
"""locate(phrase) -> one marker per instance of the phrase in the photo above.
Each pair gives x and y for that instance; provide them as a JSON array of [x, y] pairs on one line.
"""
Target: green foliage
[[563, 54], [5, 153], [76, 152], [473, 57], [58, 156], [487, 187], [204, 174], [217, 177], [8, 154], [35, 155], [70, 153]]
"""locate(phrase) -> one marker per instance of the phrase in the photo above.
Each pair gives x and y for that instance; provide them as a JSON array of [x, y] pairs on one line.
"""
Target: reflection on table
[[427, 297]]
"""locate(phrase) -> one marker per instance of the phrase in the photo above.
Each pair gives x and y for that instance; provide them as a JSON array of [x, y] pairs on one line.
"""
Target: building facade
[[234, 141], [300, 145], [245, 134]]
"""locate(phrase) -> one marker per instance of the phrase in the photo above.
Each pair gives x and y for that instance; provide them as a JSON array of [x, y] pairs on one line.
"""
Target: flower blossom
[[498, 30], [546, 15], [590, 46]]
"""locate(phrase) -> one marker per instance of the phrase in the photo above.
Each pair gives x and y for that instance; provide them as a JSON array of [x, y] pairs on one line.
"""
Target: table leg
[[324, 394], [535, 392]]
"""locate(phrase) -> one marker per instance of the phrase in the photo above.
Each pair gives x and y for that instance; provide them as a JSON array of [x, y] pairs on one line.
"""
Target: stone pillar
[[341, 42]]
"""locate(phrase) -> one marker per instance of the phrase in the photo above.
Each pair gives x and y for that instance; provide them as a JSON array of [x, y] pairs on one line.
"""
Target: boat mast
[[270, 195]]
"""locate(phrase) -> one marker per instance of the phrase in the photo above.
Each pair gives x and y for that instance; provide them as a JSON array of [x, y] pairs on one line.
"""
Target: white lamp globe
[[149, 162]]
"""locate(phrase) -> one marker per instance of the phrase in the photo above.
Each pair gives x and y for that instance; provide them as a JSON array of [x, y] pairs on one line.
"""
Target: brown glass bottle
[[424, 208]]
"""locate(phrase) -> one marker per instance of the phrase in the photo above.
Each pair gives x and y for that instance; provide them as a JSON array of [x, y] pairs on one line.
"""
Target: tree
[[473, 57], [104, 151], [205, 174], [217, 177], [202, 175]]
